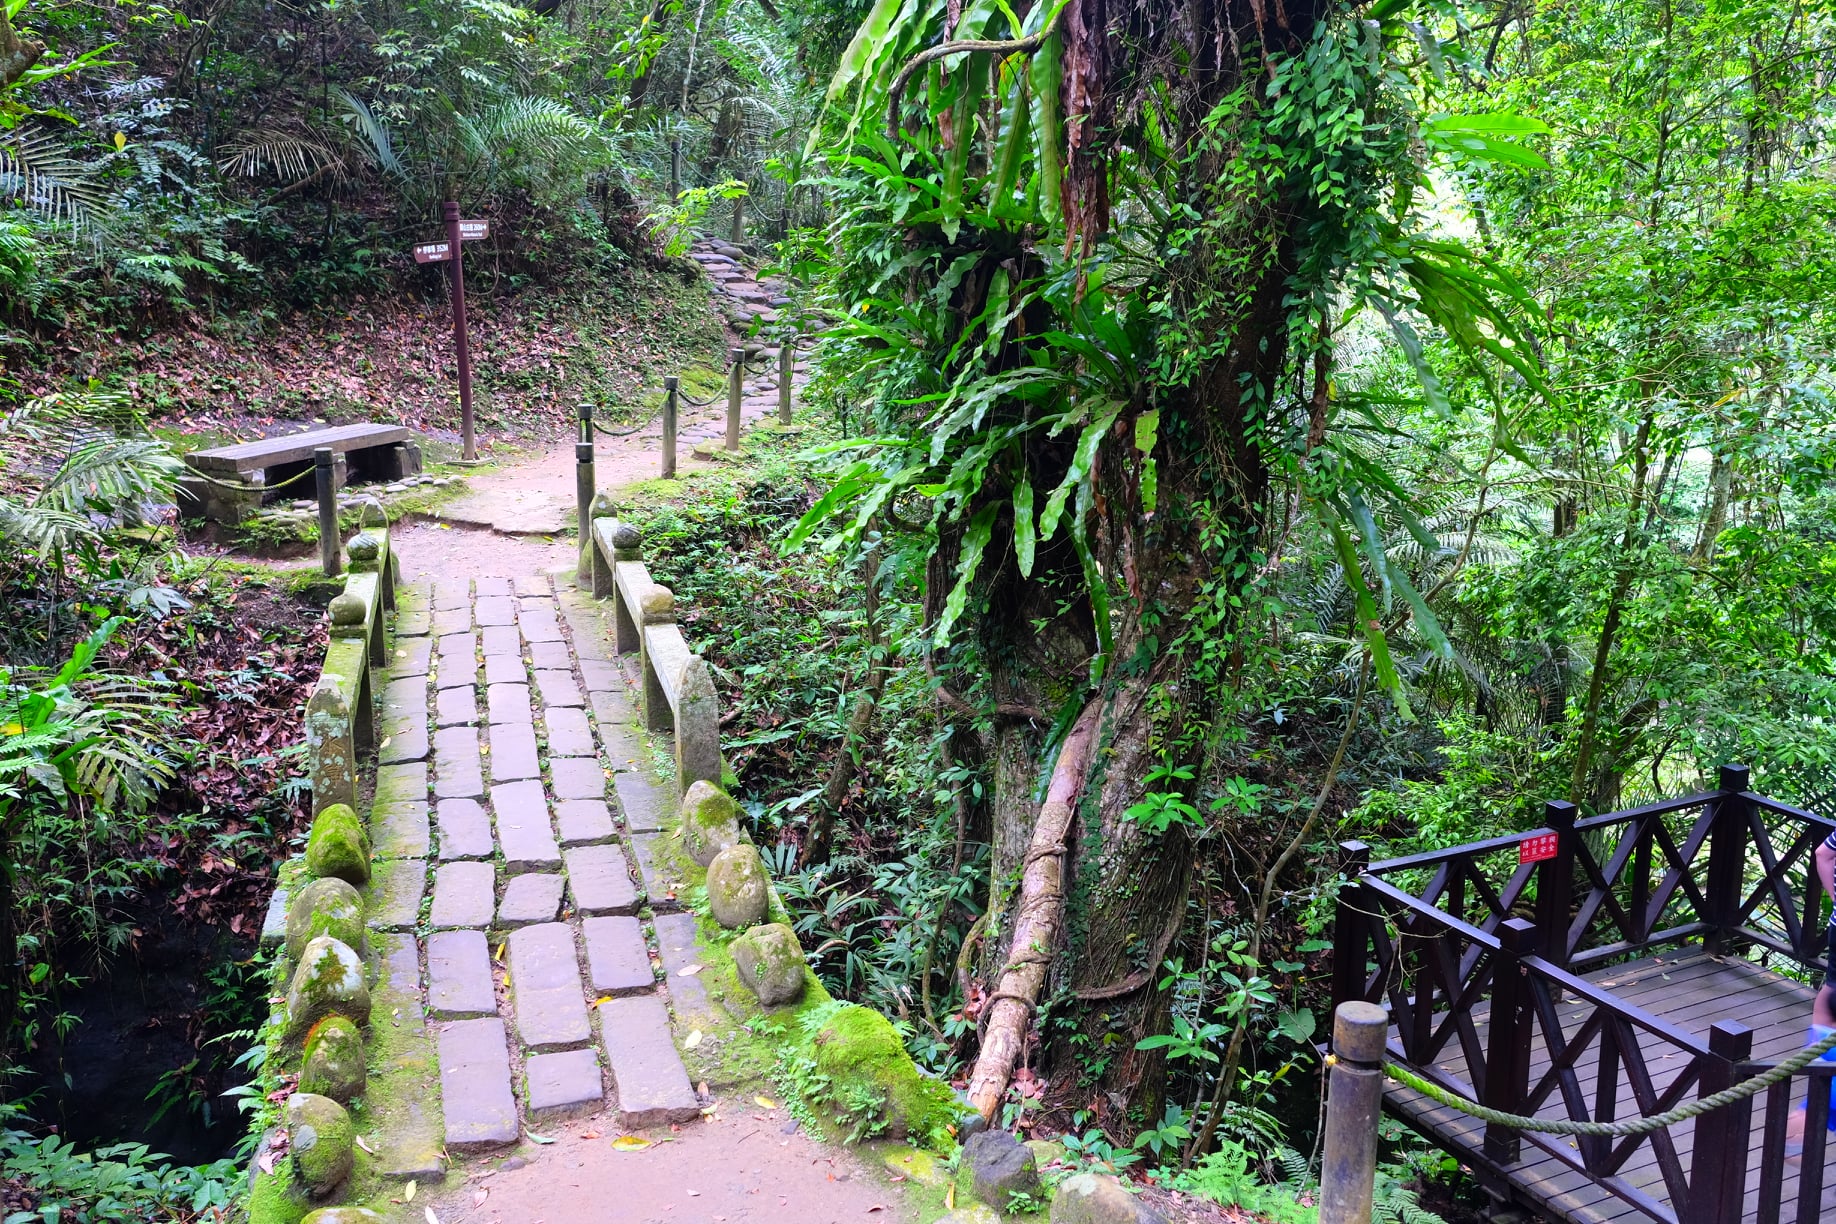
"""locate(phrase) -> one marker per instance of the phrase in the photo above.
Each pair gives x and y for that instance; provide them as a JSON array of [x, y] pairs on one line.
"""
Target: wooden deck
[[1687, 988]]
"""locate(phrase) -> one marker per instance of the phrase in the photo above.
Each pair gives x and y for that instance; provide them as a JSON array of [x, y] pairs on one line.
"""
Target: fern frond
[[371, 133]]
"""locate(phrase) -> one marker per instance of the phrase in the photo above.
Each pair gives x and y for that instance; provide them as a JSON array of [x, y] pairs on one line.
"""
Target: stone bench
[[258, 469]]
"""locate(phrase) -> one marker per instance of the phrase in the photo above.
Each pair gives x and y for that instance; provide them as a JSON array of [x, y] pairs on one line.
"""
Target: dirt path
[[742, 1169]]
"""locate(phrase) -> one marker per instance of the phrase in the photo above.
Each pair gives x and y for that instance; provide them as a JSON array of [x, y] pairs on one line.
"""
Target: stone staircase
[[512, 805]]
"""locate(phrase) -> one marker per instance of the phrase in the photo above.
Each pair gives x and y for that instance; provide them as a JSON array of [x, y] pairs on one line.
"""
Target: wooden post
[[675, 168], [1727, 857], [461, 343], [1718, 1167], [1507, 1051], [326, 477], [1350, 936], [736, 370], [1555, 883], [739, 220], [1354, 1095], [787, 360], [586, 422], [671, 385]]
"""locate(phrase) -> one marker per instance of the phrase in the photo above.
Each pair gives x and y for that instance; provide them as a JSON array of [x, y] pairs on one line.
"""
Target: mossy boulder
[[739, 890], [710, 822], [334, 1060], [328, 981], [995, 1166], [343, 1215], [770, 963], [861, 1054], [275, 1198], [324, 907], [338, 847], [1097, 1198], [972, 1213], [321, 1142]]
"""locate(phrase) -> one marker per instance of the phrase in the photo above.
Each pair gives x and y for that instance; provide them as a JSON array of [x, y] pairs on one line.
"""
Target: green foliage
[[118, 1184]]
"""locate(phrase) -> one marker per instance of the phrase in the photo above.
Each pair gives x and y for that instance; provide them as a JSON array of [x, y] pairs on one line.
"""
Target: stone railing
[[340, 715], [317, 917], [678, 691]]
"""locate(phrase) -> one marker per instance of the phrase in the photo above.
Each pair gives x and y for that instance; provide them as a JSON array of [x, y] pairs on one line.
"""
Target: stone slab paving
[[530, 898], [545, 984], [465, 830], [475, 1085], [584, 822], [618, 960], [537, 853], [653, 1087], [393, 898], [600, 880], [563, 1085], [524, 832], [459, 980]]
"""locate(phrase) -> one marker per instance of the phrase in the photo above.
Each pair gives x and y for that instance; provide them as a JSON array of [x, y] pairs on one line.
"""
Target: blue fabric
[[1819, 1033]]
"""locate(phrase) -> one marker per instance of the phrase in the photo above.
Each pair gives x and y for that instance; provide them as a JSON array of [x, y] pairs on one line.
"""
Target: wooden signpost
[[458, 233]]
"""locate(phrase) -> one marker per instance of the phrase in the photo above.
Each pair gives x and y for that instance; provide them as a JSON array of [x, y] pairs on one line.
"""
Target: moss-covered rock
[[710, 822], [334, 1061], [276, 1199], [321, 1143], [344, 1215], [994, 1167], [324, 907], [338, 847], [769, 962], [861, 1054], [1097, 1198], [739, 890], [328, 981]]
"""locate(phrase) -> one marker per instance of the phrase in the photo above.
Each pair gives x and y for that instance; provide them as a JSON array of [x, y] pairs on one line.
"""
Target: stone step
[[475, 1090], [513, 752], [640, 800], [459, 980], [600, 880], [524, 833], [647, 1073], [465, 830], [618, 961], [562, 1085], [465, 895], [545, 987], [530, 898], [458, 768]]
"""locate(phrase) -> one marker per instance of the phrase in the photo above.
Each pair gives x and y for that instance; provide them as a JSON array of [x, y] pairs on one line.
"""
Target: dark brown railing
[[1432, 935]]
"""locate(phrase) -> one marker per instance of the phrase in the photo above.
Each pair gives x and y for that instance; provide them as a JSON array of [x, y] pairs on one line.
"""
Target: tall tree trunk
[[1715, 511]]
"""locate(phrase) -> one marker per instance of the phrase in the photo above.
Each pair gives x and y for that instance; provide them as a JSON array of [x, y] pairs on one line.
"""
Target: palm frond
[[371, 133], [112, 476], [286, 154], [37, 173]]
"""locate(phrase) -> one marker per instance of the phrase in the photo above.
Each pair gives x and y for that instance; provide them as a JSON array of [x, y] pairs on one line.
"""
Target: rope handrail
[[1619, 1129], [239, 487]]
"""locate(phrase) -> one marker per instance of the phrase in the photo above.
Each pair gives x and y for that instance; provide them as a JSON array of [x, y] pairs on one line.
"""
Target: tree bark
[[1038, 918]]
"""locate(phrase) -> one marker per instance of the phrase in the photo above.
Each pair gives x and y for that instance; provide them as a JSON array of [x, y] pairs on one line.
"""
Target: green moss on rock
[[739, 890], [769, 962], [324, 907], [710, 822], [274, 1199], [334, 1061], [343, 1215], [327, 982], [321, 1143], [338, 847], [864, 1059]]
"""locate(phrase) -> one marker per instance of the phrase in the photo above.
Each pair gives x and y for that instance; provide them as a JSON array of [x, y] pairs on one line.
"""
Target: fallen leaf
[[877, 1207], [694, 1194], [629, 1143], [692, 1040], [690, 971], [602, 999], [590, 1135], [764, 1102], [366, 1147], [431, 1217], [408, 1191], [535, 1138]]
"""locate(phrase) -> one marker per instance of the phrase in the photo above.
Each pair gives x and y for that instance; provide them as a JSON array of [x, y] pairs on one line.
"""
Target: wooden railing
[[678, 692], [1431, 936]]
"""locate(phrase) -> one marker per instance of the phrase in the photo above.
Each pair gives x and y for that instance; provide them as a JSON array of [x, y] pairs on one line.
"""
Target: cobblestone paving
[[511, 781]]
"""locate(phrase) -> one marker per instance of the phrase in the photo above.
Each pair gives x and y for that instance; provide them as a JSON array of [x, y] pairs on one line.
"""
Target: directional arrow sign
[[433, 252], [472, 231]]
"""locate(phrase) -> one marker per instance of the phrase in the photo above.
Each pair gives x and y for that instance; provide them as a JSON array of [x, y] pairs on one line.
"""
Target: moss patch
[[274, 1201], [865, 1062]]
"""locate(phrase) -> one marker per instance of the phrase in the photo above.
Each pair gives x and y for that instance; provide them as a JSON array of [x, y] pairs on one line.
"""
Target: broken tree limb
[[1038, 915]]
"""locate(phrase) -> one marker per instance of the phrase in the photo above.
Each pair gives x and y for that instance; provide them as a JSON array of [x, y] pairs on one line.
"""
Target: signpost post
[[458, 233]]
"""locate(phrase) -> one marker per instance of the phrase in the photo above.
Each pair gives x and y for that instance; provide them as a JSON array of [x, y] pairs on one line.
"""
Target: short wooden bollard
[[787, 360], [736, 370], [329, 544], [583, 499], [739, 220], [1354, 1096], [586, 423], [671, 386]]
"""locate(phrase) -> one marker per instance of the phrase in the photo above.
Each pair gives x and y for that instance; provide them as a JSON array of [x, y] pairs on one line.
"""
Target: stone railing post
[[331, 749], [657, 606], [625, 545]]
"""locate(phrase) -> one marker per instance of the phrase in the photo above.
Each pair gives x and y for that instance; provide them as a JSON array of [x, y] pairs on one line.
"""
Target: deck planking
[[1690, 990]]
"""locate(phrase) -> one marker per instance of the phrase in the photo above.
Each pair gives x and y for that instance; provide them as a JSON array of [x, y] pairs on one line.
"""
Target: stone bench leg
[[221, 499]]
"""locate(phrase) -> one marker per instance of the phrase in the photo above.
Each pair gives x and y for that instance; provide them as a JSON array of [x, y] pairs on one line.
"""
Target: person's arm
[[1825, 859]]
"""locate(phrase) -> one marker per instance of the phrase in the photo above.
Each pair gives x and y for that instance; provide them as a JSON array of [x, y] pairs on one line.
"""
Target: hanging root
[[1038, 914]]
